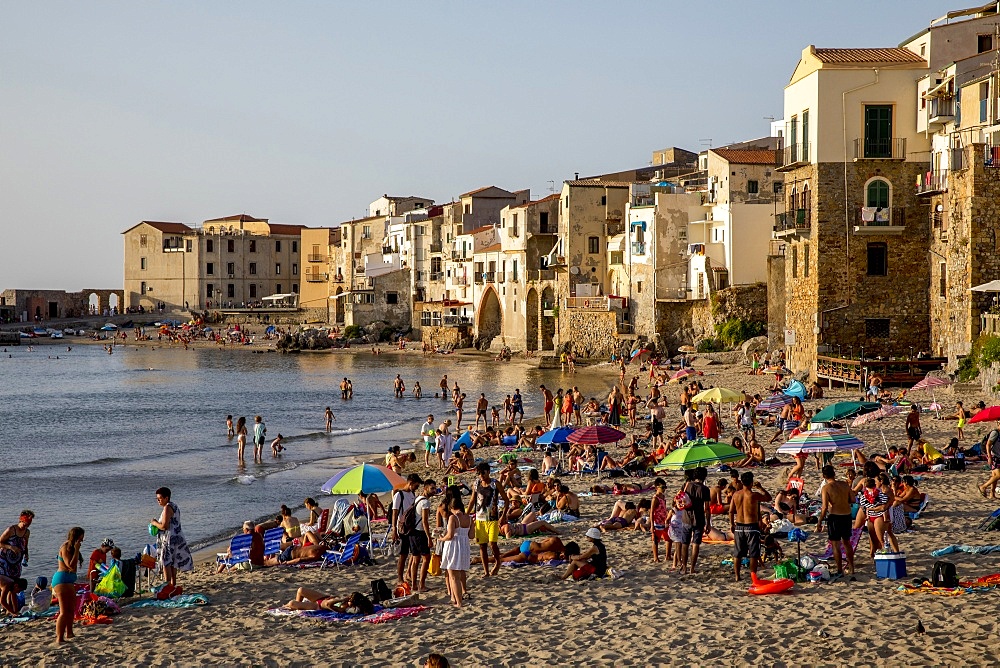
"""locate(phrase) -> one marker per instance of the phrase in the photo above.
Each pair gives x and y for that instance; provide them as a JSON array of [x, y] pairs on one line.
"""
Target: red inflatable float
[[761, 586]]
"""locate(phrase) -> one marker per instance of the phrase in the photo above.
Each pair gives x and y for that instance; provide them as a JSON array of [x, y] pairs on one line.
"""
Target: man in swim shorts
[[744, 520], [485, 502], [547, 403], [837, 498]]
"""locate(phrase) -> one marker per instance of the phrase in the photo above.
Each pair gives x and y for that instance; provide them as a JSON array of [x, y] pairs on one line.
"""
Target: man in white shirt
[[427, 433]]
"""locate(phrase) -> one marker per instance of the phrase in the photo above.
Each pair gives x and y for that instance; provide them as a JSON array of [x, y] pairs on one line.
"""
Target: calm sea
[[88, 437]]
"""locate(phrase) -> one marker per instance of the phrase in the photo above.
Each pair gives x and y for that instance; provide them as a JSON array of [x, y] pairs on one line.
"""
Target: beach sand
[[648, 616]]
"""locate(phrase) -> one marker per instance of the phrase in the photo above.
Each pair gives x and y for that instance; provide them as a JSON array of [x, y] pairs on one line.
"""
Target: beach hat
[[593, 533], [41, 582]]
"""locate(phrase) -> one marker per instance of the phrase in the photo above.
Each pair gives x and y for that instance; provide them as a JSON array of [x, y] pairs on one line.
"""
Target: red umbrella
[[595, 435], [931, 382], [987, 415]]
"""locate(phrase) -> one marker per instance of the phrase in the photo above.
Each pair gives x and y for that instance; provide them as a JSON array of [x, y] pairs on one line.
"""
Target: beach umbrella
[[796, 389], [987, 415], [934, 406], [556, 436], [845, 409], [640, 351], [821, 440], [595, 435], [110, 327], [718, 395], [363, 479], [884, 412], [697, 453], [929, 383], [682, 374], [774, 403]]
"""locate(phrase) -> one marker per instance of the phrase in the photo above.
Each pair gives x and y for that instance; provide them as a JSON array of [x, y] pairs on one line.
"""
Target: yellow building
[[318, 245]]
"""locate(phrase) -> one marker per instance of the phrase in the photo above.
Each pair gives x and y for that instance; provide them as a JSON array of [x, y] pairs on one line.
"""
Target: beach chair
[[923, 506], [239, 552], [272, 541], [796, 483], [352, 552], [324, 519], [379, 544], [336, 518]]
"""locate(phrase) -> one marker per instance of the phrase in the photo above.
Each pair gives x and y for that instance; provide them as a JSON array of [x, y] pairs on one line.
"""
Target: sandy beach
[[526, 617]]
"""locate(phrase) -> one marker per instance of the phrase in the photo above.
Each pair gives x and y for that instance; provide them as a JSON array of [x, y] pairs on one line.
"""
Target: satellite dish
[[574, 270]]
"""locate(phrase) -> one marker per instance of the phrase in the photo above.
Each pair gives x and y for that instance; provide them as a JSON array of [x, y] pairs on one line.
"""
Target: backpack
[[944, 574], [408, 523], [380, 591]]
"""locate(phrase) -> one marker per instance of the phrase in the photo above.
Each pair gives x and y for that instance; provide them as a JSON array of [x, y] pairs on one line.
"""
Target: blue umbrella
[[796, 389], [555, 436]]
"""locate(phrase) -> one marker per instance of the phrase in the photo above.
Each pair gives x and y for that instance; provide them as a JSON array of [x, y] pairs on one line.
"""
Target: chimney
[[576, 176]]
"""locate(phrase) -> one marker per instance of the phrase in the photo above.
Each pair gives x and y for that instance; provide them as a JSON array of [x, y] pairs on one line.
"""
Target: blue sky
[[303, 112]]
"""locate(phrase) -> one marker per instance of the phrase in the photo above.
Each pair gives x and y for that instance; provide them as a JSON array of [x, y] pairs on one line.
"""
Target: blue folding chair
[[272, 541], [239, 552], [352, 552]]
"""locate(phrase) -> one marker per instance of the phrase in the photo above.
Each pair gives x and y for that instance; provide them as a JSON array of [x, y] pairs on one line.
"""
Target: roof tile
[[867, 56], [748, 156]]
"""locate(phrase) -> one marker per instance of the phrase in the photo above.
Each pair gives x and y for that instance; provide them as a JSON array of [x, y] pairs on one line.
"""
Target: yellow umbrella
[[718, 395]]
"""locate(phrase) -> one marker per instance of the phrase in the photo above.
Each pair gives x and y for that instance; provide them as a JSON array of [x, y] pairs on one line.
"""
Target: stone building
[[318, 274], [20, 305], [231, 261], [856, 270]]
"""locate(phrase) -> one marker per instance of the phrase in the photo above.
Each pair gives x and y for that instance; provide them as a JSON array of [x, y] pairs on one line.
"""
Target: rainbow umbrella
[[821, 440], [595, 435], [700, 452], [363, 479], [774, 403]]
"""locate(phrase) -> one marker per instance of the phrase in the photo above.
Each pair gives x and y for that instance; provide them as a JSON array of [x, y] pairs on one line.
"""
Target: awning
[[639, 223], [941, 87], [992, 286], [616, 244]]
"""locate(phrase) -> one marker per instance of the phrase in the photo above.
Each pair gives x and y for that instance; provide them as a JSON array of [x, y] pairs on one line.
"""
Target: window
[[366, 232], [795, 261], [230, 290], [923, 49], [543, 222], [392, 298], [253, 268], [984, 43], [209, 290], [277, 269], [468, 209], [805, 135], [142, 263], [604, 200], [231, 268], [514, 231], [295, 288], [187, 246], [230, 246], [805, 260], [514, 272], [364, 298], [142, 288], [277, 288], [984, 100], [753, 187], [210, 269], [878, 131], [253, 246], [295, 269], [295, 246], [877, 193], [944, 280], [638, 287], [142, 241], [277, 245], [617, 257], [253, 291], [593, 245], [209, 246], [877, 328], [878, 259]]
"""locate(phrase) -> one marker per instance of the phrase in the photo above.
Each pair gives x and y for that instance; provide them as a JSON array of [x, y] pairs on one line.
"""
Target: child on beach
[[658, 517], [230, 432], [276, 446], [679, 523]]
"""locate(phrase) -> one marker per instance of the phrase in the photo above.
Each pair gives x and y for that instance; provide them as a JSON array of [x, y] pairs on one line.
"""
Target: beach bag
[[408, 523], [111, 584], [944, 574], [380, 591], [129, 572], [956, 463], [435, 566]]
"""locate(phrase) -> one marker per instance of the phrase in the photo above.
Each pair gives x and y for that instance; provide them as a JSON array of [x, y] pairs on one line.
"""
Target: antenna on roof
[[772, 119], [552, 186], [706, 142]]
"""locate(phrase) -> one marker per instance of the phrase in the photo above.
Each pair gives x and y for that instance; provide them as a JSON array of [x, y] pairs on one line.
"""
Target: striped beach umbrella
[[697, 453], [821, 440], [363, 479], [884, 412], [682, 374], [595, 435], [930, 382], [774, 403]]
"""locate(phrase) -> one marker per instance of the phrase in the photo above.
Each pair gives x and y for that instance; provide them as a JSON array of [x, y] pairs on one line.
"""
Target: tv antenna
[[552, 186], [706, 142]]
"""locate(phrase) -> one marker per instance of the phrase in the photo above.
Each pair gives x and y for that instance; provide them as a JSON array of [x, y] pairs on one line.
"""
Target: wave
[[320, 435]]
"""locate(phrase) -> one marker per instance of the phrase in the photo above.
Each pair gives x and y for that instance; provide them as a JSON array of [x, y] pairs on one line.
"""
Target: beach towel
[[712, 541], [558, 516], [970, 549], [855, 539], [28, 617], [182, 601], [380, 616], [550, 562]]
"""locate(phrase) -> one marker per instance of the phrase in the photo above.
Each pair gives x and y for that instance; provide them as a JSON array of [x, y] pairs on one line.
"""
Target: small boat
[[38, 331], [55, 334]]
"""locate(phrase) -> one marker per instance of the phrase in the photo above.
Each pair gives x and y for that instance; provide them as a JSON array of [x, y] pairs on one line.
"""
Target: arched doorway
[[339, 308], [94, 304], [114, 304], [548, 321], [531, 320], [489, 318]]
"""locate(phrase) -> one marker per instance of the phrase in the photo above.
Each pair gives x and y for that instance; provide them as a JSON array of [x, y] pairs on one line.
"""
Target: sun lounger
[[239, 552], [352, 552], [272, 541]]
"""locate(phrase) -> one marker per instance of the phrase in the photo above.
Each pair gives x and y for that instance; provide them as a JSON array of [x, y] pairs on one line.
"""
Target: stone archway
[[548, 329], [94, 304], [489, 318], [531, 320], [114, 303]]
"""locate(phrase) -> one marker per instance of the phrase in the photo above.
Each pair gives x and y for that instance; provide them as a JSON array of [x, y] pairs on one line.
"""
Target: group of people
[[240, 432]]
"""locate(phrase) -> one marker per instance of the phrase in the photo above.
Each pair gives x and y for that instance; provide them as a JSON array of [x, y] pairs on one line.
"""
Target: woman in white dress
[[455, 554]]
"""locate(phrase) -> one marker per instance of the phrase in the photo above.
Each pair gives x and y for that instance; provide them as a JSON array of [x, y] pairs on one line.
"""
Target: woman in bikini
[[241, 437], [310, 599], [526, 526], [535, 551], [623, 515], [64, 583]]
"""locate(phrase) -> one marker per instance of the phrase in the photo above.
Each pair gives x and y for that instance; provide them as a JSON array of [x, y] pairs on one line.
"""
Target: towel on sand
[[182, 601], [381, 615]]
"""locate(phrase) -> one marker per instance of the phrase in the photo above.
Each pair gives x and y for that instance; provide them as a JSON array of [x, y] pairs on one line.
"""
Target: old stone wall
[[595, 333], [776, 302], [801, 276], [740, 302], [447, 337]]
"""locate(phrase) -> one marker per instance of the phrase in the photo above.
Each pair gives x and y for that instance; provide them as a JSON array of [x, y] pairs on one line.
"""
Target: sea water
[[89, 437]]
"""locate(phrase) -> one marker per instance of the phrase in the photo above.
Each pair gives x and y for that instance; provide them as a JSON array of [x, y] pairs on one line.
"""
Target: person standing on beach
[[913, 427], [64, 583], [402, 501], [482, 405], [458, 410], [173, 550], [444, 386], [427, 433], [241, 437], [577, 404], [701, 497], [516, 407], [329, 419], [485, 502], [546, 404], [444, 443], [837, 498], [230, 432], [421, 543], [991, 448], [259, 432], [507, 410], [398, 387], [456, 392], [744, 521]]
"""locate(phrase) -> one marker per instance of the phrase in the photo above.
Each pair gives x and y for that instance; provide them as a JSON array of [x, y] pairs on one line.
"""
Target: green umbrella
[[845, 409], [699, 453]]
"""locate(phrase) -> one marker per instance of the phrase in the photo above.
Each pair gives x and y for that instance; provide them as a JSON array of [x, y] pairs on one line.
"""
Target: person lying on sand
[[623, 515], [310, 599], [535, 551], [296, 555], [526, 526]]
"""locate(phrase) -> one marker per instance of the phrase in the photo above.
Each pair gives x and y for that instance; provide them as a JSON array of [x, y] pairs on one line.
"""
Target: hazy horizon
[[117, 112]]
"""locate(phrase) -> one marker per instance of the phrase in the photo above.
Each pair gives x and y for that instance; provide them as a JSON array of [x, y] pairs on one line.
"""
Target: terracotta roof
[[553, 196], [476, 191], [173, 228], [490, 249], [593, 183], [286, 229], [241, 218], [866, 56], [748, 156], [479, 229]]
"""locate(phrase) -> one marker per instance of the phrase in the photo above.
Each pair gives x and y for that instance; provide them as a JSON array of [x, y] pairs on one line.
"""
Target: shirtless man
[[837, 498], [444, 386], [398, 387], [547, 399], [744, 520], [296, 555], [459, 400], [343, 388], [577, 402], [913, 427], [482, 405], [685, 400]]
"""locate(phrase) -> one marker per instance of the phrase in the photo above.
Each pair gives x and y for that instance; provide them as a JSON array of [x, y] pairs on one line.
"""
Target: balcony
[[940, 110], [460, 280], [794, 155], [489, 277], [456, 256], [316, 257], [594, 303], [389, 250], [501, 277], [789, 223], [638, 248], [885, 220], [456, 320], [879, 148], [339, 278], [317, 277], [540, 275], [612, 228], [932, 182], [478, 277], [435, 247], [992, 156], [546, 229], [437, 275], [989, 323]]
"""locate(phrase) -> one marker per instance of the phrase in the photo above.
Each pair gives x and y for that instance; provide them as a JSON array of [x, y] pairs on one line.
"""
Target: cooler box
[[891, 566]]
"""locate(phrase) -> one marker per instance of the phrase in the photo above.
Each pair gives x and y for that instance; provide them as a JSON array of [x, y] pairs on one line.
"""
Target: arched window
[[877, 193]]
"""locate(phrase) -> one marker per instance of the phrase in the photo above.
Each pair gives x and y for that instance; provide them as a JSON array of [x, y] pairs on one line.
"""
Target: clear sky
[[304, 112]]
